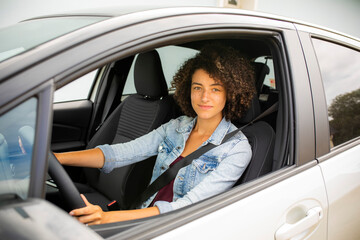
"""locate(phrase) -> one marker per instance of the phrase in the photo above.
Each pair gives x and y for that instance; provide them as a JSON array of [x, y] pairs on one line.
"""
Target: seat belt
[[112, 95], [167, 176]]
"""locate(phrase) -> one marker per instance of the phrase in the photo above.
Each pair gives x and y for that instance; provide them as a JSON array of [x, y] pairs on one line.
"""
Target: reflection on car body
[[311, 73]]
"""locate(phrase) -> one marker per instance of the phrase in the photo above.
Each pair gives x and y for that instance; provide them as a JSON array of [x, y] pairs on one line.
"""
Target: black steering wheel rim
[[64, 183]]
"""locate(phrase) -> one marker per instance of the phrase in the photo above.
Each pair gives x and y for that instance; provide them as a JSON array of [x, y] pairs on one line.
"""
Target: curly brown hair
[[224, 64]]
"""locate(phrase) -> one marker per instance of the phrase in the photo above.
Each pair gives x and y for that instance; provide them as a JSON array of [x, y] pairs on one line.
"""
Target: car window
[[266, 84], [15, 40], [269, 79], [340, 72], [171, 59], [16, 146], [76, 90]]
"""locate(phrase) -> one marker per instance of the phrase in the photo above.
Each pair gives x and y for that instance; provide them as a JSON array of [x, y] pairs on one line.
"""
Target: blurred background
[[339, 15]]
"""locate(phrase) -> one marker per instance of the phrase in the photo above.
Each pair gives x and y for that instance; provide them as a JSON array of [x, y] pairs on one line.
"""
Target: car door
[[337, 76]]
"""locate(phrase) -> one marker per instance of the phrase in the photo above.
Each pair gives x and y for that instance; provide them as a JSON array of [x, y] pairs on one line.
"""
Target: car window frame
[[256, 185], [306, 33], [282, 173]]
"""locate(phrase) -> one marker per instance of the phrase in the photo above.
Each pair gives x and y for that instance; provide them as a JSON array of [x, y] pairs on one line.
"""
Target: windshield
[[26, 35], [16, 147]]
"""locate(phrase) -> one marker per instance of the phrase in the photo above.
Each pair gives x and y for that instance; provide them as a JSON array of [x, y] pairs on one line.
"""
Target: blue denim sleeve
[[122, 154], [220, 180], [163, 206]]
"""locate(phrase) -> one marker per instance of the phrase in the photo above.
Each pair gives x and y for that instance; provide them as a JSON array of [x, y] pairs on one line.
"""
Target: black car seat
[[261, 70], [137, 115], [260, 134], [261, 137]]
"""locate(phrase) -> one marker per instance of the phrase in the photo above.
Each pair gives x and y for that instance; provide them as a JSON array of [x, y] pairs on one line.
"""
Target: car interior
[[117, 114]]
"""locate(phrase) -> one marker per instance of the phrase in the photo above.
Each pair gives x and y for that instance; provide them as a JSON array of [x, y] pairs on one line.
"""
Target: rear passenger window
[[340, 72]]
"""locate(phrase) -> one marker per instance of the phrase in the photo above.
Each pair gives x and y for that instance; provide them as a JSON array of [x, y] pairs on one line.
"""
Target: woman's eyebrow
[[214, 84], [196, 83]]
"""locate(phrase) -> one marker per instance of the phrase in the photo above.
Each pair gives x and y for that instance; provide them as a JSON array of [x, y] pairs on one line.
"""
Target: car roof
[[128, 16], [162, 11]]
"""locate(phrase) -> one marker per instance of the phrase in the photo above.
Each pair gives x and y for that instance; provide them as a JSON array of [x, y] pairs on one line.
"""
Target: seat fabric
[[261, 137]]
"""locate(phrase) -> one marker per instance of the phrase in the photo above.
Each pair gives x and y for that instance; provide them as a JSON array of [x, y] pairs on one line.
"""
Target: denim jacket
[[214, 172]]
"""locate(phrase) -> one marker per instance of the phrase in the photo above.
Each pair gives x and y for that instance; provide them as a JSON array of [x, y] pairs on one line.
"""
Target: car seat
[[261, 137], [137, 115], [261, 70], [260, 134]]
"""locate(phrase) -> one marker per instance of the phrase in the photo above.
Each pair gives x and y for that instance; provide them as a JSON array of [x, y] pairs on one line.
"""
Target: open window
[[124, 184]]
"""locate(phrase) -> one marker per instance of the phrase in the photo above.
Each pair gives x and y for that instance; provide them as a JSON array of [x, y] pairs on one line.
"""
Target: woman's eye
[[197, 88], [216, 90]]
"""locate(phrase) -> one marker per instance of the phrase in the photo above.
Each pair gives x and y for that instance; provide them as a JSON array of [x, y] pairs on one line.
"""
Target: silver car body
[[316, 197]]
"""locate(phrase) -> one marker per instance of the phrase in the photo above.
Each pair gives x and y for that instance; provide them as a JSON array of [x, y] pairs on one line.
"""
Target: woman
[[212, 88]]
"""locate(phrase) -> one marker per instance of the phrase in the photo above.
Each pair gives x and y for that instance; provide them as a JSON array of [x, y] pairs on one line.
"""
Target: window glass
[[172, 57], [340, 72], [269, 79], [15, 39], [78, 89], [265, 81], [16, 146]]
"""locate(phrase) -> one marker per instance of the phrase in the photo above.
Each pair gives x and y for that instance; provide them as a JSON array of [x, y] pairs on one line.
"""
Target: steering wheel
[[64, 183]]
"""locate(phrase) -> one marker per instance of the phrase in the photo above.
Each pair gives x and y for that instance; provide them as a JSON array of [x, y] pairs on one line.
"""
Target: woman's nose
[[204, 96]]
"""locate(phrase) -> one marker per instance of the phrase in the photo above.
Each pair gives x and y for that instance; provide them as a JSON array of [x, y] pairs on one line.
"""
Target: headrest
[[261, 70], [252, 112], [148, 75]]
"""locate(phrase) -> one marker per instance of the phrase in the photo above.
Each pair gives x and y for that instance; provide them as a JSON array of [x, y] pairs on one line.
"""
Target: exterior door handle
[[287, 231]]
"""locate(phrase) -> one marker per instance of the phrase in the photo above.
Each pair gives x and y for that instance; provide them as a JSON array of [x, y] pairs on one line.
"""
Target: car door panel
[[70, 124], [264, 214], [342, 177]]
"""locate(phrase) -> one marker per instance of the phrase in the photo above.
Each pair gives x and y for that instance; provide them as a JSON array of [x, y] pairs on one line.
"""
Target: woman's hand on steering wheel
[[89, 215]]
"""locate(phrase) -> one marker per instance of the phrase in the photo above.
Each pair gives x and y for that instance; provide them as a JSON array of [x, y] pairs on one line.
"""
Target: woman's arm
[[93, 214], [93, 158], [120, 154]]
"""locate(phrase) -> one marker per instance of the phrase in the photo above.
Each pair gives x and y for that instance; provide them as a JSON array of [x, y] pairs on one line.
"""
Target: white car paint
[[342, 177], [304, 191]]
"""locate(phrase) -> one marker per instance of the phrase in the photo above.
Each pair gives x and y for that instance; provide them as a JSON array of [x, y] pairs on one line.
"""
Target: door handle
[[287, 231]]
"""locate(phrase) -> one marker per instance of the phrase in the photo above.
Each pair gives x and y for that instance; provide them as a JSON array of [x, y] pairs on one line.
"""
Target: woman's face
[[208, 97]]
